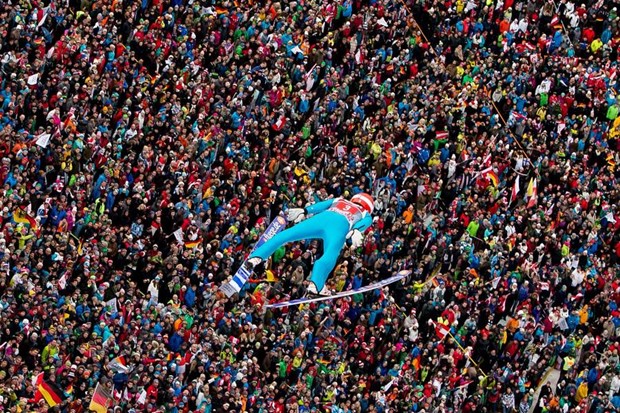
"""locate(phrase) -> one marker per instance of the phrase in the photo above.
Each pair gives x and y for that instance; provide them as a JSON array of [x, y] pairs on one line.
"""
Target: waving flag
[[101, 400], [441, 330], [441, 135], [515, 190], [118, 365], [492, 176], [21, 217], [532, 193], [51, 393], [193, 244]]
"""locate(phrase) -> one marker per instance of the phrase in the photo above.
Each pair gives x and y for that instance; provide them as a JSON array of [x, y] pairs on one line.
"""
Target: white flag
[[178, 234], [32, 80], [43, 140], [62, 281], [112, 304], [142, 397]]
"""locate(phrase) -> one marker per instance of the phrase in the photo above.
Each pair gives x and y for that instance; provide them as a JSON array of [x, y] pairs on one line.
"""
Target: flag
[[21, 217], [441, 330], [611, 161], [270, 277], [178, 234], [101, 400], [36, 380], [220, 10], [43, 140], [441, 135], [389, 385], [530, 188], [518, 116], [192, 244], [62, 281], [532, 193], [492, 176], [51, 393], [416, 363], [112, 306], [358, 56], [32, 80], [515, 190], [382, 22], [118, 365]]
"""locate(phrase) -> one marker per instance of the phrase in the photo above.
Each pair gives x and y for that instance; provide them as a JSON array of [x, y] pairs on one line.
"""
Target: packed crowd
[[146, 145]]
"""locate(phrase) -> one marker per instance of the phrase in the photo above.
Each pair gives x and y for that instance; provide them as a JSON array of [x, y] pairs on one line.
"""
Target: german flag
[[493, 178], [51, 393], [101, 400], [221, 10], [192, 244]]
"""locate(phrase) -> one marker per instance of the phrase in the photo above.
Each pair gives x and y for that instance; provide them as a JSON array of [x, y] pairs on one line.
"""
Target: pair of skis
[[243, 275]]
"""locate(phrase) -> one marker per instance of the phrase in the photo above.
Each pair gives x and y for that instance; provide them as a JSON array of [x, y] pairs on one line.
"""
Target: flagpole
[[465, 352]]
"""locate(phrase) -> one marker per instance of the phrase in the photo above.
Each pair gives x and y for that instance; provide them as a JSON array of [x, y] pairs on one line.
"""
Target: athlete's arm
[[319, 206], [364, 223]]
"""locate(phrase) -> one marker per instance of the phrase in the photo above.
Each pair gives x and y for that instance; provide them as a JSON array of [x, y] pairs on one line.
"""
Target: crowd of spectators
[[145, 145]]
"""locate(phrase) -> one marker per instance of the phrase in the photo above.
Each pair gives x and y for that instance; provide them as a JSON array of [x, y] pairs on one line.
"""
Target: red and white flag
[[442, 135], [441, 330], [515, 190]]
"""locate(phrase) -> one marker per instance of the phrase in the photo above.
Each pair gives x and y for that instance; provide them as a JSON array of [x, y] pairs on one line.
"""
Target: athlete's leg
[[334, 237]]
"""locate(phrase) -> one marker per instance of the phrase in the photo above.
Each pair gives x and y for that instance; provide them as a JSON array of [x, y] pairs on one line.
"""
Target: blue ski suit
[[331, 221]]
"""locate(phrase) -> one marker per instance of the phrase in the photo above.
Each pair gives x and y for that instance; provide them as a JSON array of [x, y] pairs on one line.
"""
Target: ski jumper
[[331, 221]]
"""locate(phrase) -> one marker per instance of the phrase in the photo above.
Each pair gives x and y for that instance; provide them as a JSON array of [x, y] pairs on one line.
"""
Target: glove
[[356, 238], [295, 215]]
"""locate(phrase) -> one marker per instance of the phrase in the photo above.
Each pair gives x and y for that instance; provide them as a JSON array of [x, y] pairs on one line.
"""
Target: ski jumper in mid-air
[[333, 221]]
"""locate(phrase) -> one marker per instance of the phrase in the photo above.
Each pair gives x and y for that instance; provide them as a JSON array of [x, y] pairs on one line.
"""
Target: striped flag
[[36, 380], [118, 365], [101, 400], [532, 193], [518, 116], [441, 135], [515, 190], [62, 281], [192, 244], [51, 393], [492, 176], [21, 217]]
